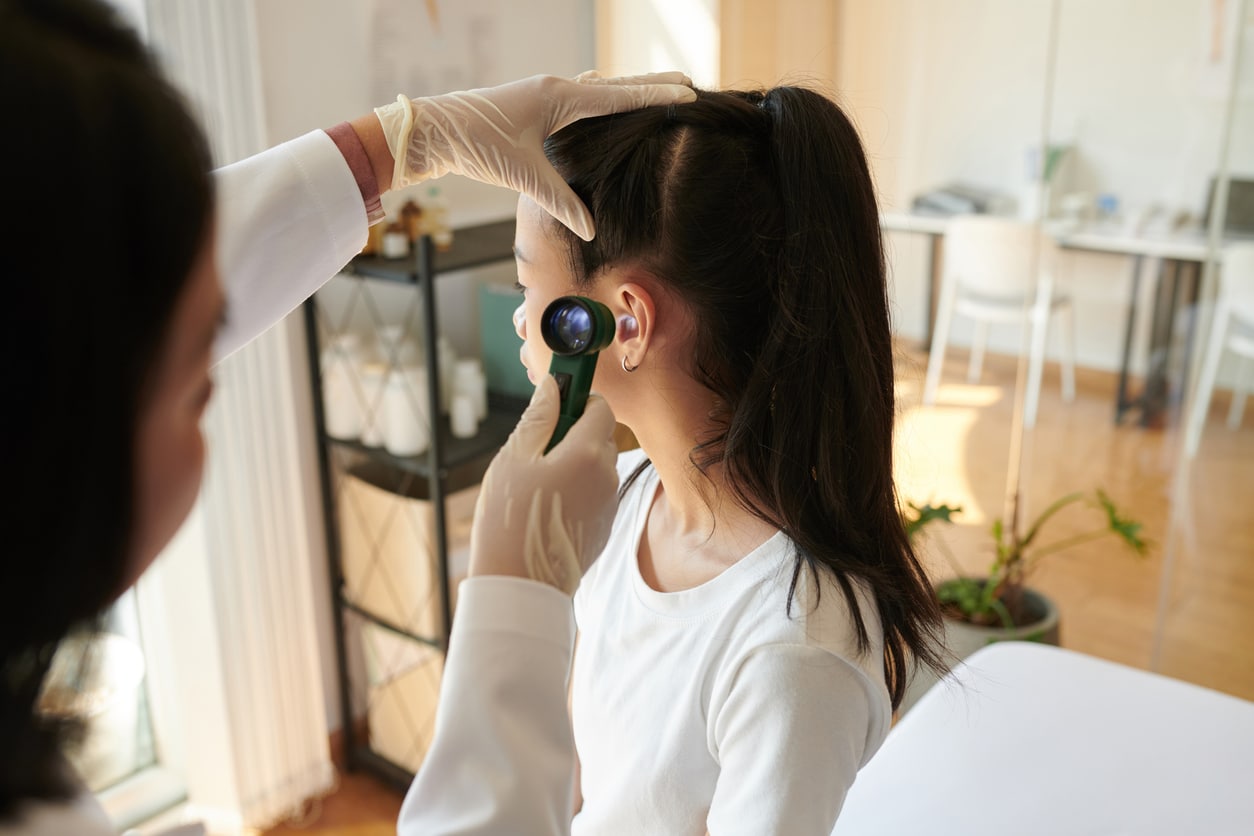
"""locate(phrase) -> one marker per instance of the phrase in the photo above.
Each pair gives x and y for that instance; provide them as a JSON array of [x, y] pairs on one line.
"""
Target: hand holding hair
[[496, 135], [547, 517]]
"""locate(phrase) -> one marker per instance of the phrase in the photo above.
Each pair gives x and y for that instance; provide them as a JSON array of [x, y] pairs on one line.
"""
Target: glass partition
[[1122, 135], [1206, 631], [1142, 124]]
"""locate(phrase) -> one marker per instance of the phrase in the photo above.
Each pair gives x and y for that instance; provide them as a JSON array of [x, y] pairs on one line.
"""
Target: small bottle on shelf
[[407, 427], [462, 418], [395, 241], [469, 380], [436, 221], [411, 218]]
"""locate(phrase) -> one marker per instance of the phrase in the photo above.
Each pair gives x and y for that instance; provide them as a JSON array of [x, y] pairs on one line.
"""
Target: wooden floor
[[1186, 611], [359, 805]]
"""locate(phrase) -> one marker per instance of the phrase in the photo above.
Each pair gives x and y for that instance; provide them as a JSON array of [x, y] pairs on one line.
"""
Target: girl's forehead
[[538, 242], [532, 233]]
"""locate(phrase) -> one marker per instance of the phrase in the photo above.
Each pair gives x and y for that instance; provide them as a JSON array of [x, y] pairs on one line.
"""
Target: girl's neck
[[696, 527], [694, 502]]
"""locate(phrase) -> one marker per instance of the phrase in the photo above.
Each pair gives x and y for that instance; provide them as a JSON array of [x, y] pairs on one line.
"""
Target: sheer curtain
[[229, 609]]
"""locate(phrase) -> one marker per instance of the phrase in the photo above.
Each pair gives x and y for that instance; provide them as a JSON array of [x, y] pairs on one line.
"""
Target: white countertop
[[1039, 741]]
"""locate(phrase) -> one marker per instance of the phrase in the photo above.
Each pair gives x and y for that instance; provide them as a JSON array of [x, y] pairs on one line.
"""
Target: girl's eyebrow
[[518, 255]]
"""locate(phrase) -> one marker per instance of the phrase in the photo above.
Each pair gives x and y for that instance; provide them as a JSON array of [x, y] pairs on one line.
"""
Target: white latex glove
[[496, 135], [547, 517]]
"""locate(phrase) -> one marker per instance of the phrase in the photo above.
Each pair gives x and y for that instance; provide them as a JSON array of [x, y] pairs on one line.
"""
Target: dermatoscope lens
[[575, 326], [571, 324]]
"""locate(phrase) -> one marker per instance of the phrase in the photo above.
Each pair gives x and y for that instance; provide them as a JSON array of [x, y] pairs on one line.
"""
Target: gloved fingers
[[538, 420], [594, 77], [594, 428], [598, 99], [552, 194]]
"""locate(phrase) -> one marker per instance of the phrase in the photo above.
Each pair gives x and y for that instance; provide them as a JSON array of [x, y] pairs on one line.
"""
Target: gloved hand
[[547, 517], [496, 135]]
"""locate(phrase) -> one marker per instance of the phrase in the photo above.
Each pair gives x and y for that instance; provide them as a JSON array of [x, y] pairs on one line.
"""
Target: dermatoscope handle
[[574, 382], [576, 329]]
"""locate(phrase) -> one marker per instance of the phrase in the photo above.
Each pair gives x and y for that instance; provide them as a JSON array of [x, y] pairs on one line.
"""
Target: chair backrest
[[996, 257], [1236, 279]]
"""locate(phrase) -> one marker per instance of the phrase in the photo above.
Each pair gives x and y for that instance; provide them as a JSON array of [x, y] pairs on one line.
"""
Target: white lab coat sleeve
[[288, 219], [502, 758]]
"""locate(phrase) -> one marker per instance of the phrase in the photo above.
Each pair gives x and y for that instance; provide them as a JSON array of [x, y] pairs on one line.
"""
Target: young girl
[[750, 627]]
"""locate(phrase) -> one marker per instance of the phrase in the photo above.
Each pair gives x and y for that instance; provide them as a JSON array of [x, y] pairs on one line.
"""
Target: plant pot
[[962, 639]]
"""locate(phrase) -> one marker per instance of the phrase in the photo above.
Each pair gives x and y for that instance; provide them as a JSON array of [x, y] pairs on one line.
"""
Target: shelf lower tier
[[464, 459], [363, 757]]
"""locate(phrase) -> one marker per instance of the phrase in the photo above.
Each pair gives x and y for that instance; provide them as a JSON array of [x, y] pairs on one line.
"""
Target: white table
[[933, 226], [1179, 253], [1035, 739]]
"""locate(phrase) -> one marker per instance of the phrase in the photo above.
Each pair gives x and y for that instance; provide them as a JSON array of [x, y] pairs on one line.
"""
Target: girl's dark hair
[[758, 209], [107, 179]]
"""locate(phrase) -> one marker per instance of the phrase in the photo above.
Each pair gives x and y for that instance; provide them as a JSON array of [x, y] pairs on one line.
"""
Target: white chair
[[999, 270], [1233, 329]]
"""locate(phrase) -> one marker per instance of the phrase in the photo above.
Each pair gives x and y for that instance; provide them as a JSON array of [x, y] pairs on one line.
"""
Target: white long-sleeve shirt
[[718, 707]]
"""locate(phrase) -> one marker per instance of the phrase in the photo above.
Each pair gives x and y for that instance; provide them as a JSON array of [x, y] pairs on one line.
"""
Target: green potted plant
[[999, 605]]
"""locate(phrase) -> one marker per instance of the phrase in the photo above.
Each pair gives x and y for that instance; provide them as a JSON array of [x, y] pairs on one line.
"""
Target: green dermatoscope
[[576, 329]]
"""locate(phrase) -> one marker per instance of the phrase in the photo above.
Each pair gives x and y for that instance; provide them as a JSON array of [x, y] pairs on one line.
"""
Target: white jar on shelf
[[462, 419], [373, 386], [395, 241], [341, 396], [407, 425], [469, 380]]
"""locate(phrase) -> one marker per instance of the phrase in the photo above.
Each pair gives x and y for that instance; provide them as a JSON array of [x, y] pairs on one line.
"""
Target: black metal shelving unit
[[449, 464]]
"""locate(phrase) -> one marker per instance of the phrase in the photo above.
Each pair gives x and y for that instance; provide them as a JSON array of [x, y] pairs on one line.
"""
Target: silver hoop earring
[[627, 368]]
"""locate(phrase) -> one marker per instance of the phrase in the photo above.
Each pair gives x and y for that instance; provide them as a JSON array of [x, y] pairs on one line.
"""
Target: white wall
[[956, 90], [768, 42], [642, 36], [325, 61]]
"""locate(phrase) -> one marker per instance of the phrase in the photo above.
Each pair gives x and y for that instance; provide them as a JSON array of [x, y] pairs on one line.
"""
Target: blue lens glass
[[572, 325]]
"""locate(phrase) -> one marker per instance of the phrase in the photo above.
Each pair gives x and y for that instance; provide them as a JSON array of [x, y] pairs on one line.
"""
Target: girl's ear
[[635, 313]]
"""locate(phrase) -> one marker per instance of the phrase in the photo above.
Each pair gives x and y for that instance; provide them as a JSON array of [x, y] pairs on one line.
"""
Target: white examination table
[[1029, 739]]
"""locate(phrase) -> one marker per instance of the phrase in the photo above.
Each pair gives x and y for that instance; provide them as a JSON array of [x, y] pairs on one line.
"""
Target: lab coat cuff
[[520, 607], [345, 138]]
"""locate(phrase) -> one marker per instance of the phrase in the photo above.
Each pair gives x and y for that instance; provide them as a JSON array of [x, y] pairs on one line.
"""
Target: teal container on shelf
[[499, 343]]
